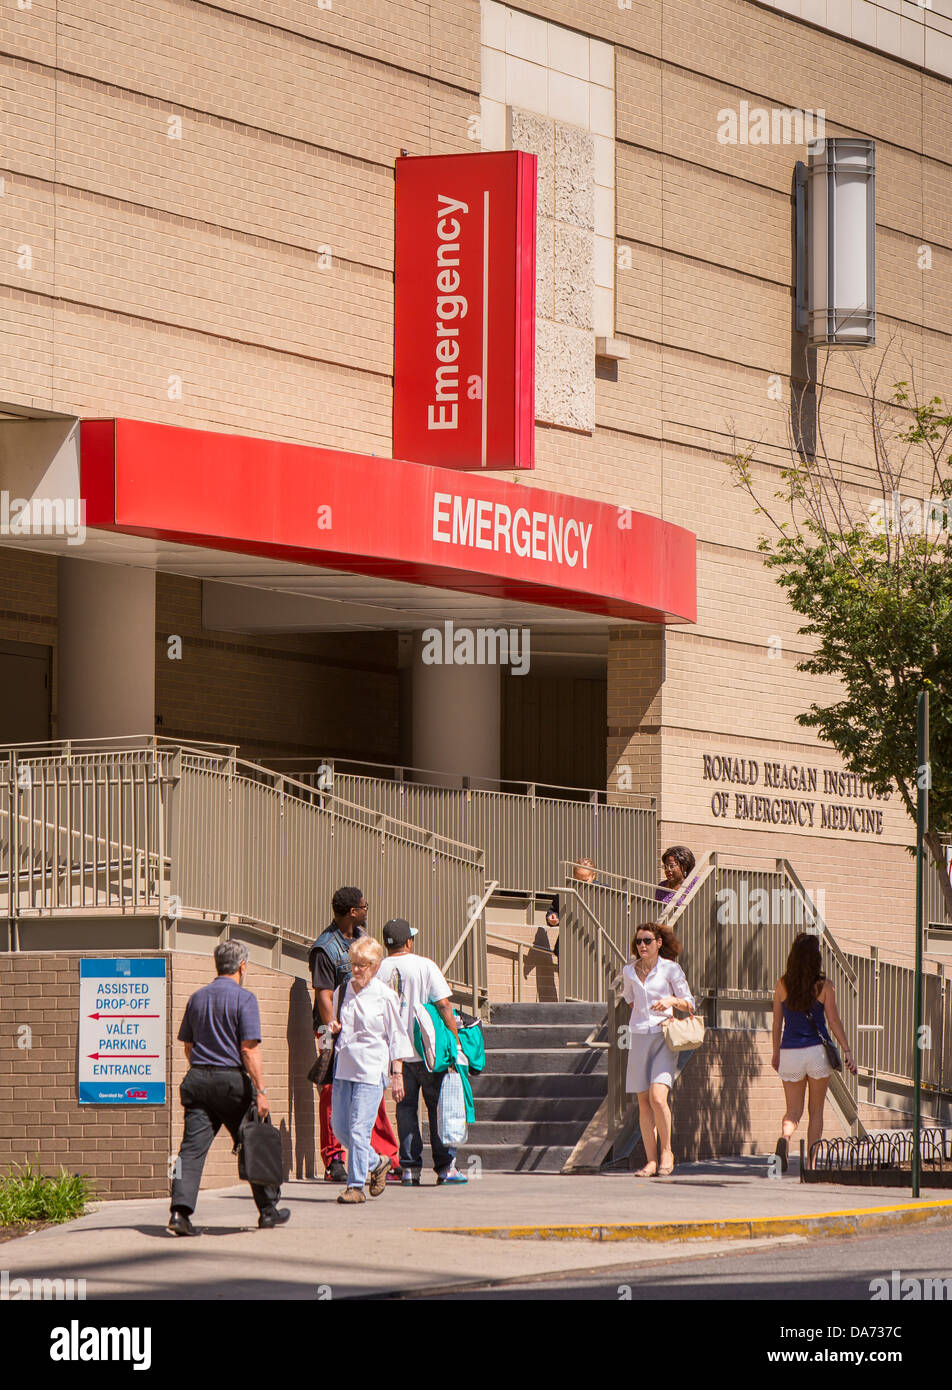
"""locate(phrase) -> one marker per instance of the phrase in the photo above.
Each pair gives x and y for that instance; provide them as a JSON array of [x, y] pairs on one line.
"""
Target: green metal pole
[[923, 779]]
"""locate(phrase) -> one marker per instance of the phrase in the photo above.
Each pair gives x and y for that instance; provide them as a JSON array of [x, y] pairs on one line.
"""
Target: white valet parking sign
[[122, 1031]]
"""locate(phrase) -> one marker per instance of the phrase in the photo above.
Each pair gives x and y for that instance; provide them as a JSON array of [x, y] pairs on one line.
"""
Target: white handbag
[[684, 1034]]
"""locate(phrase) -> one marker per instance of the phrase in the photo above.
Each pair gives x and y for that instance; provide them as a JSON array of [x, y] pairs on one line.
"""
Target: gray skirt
[[650, 1061]]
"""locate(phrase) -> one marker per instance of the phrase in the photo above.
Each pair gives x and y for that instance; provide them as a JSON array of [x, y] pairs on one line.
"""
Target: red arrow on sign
[[123, 1015], [106, 1055]]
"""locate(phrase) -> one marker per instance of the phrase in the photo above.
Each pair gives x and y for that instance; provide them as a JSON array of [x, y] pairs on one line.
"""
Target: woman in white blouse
[[654, 986], [372, 1044]]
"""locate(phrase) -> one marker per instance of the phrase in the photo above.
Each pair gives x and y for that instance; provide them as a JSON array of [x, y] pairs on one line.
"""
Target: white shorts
[[799, 1062]]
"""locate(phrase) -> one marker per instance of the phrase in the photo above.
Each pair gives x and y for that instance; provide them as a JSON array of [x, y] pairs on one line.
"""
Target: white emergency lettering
[[486, 525], [443, 414]]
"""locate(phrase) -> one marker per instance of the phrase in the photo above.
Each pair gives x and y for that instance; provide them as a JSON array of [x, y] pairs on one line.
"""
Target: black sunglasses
[[644, 940]]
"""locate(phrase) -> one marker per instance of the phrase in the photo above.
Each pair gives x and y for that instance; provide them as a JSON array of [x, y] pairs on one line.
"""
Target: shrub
[[26, 1195]]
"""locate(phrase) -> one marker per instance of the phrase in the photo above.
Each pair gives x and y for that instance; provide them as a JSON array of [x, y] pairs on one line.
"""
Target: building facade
[[198, 222]]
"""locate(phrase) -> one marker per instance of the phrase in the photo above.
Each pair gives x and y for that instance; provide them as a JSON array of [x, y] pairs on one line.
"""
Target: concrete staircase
[[540, 1088]]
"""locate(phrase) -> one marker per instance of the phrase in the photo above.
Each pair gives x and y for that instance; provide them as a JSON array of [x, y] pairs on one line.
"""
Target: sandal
[[643, 1172], [665, 1171]]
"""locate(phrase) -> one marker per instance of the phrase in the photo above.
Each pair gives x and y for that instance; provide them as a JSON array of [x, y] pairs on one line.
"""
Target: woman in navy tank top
[[804, 1016]]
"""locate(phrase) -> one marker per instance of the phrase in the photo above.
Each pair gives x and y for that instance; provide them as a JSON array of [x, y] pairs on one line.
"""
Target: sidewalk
[[426, 1237]]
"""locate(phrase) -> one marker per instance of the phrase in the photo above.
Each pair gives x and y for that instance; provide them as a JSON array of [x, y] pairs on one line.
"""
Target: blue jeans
[[416, 1078], [354, 1107]]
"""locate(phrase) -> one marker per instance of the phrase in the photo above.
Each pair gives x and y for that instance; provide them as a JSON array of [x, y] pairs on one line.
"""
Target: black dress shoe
[[273, 1217], [180, 1225], [335, 1172]]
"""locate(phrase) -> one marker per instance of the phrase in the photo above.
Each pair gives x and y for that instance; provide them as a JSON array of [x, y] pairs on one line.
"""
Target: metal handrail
[[474, 917], [702, 871], [183, 832], [466, 782], [524, 837], [520, 949], [621, 881], [478, 963], [787, 868], [116, 743]]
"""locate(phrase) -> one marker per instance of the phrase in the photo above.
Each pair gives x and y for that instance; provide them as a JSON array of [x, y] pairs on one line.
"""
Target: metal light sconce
[[836, 243]]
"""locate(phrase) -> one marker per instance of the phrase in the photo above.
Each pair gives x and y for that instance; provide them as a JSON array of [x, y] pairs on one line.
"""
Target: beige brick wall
[[126, 1150], [320, 694], [200, 258], [123, 1149]]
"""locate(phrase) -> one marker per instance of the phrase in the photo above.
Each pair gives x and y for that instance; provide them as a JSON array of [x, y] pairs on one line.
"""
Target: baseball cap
[[397, 932]]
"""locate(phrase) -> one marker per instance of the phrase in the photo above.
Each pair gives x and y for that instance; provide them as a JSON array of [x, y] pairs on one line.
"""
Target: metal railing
[[596, 922], [180, 832], [935, 909], [736, 924], [525, 828], [81, 833], [473, 936], [736, 927]]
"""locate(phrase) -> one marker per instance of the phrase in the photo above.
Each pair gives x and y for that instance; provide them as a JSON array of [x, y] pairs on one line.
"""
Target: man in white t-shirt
[[418, 981]]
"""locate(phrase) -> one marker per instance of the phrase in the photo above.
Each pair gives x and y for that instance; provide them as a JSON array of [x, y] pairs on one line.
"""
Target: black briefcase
[[260, 1150]]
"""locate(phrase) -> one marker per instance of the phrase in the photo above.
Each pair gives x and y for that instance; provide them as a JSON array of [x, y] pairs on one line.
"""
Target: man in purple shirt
[[221, 1031]]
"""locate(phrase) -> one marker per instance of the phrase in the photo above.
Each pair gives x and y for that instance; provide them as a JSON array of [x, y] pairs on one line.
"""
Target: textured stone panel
[[565, 376], [574, 275], [574, 175], [535, 134], [545, 238]]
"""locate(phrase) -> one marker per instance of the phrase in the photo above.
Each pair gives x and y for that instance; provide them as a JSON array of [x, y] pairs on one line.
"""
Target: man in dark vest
[[329, 964]]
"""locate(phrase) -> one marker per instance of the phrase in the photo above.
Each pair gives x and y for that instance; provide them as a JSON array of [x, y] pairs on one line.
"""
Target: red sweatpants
[[383, 1138]]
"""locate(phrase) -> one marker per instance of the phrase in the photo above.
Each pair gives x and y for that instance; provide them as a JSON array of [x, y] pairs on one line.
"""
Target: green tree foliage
[[869, 569]]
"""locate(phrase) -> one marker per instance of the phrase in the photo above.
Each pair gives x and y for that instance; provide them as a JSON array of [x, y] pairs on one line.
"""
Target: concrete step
[[547, 1013], [579, 1109], [515, 1158], [502, 1037], [528, 1133], [568, 1060], [548, 1084]]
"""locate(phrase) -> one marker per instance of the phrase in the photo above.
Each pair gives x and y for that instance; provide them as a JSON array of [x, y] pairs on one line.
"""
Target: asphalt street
[[793, 1270]]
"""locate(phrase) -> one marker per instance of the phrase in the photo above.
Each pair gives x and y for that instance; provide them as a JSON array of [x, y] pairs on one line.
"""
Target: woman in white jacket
[[372, 1046], [654, 986]]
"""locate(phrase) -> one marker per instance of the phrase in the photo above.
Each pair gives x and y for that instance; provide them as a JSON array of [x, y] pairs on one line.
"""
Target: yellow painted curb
[[828, 1223]]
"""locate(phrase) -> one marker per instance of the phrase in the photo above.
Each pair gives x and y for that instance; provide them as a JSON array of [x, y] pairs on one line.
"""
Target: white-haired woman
[[372, 1045]]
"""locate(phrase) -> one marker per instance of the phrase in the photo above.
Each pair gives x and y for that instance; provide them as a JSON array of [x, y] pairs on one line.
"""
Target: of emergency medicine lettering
[[485, 525], [450, 308]]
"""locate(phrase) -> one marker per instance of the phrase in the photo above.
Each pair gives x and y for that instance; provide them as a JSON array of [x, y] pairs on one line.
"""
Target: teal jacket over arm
[[444, 1057]]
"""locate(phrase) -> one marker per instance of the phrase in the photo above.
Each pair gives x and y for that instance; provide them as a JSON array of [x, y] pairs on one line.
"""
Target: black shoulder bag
[[320, 1072], [832, 1054]]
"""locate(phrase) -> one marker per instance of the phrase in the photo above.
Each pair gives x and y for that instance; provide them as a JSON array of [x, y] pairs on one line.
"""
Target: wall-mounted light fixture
[[836, 243]]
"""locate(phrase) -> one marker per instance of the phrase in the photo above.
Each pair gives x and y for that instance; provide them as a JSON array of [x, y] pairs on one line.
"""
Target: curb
[[856, 1221]]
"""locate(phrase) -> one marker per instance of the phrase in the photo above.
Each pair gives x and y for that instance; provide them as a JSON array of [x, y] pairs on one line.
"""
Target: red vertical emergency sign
[[464, 310]]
